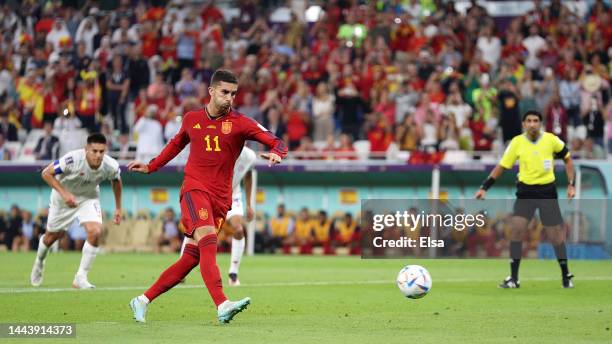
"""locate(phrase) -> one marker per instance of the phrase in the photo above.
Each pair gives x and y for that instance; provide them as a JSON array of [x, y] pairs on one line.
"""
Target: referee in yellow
[[535, 150]]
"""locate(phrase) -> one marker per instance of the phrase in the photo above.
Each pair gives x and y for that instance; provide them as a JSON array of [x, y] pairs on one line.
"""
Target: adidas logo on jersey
[[197, 126]]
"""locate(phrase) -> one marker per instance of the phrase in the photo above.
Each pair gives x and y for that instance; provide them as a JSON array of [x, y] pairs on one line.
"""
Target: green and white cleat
[[229, 310], [139, 309]]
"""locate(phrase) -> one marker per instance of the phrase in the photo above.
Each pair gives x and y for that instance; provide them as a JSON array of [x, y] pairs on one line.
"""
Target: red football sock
[[209, 269], [175, 273]]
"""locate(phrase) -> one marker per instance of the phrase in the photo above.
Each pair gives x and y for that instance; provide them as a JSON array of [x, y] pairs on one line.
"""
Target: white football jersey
[[76, 176], [246, 160]]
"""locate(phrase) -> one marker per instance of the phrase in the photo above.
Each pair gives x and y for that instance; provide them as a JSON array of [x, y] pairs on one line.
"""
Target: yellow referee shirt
[[536, 159]]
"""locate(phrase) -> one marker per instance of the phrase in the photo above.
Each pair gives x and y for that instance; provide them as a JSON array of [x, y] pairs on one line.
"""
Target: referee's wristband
[[487, 183]]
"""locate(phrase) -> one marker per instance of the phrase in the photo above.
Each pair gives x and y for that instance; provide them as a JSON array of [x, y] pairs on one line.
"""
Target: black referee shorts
[[542, 197]]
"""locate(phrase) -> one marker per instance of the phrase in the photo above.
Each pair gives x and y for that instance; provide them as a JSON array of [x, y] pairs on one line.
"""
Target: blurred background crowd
[[287, 231], [405, 76]]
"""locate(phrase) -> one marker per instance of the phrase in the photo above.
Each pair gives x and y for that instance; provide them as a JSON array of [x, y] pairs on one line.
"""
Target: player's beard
[[224, 108]]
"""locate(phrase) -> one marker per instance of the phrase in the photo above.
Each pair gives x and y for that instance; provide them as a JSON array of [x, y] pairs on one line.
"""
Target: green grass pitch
[[316, 300]]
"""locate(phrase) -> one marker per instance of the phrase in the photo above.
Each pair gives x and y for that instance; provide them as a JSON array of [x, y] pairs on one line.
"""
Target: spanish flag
[[30, 94]]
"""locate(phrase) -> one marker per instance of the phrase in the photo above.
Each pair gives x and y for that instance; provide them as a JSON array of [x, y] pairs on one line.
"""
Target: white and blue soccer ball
[[414, 281]]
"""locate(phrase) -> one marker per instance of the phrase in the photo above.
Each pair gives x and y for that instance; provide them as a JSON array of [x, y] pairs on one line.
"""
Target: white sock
[[222, 305], [144, 299], [54, 247], [41, 254], [237, 252], [87, 259]]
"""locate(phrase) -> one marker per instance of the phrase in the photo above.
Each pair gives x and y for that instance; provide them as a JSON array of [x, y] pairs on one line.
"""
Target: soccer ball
[[414, 281]]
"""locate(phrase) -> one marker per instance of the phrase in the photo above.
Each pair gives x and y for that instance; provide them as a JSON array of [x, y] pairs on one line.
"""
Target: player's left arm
[[248, 184], [561, 151], [257, 132], [115, 178], [117, 190]]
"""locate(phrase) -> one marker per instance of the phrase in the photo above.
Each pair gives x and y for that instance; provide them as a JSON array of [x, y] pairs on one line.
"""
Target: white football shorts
[[61, 216]]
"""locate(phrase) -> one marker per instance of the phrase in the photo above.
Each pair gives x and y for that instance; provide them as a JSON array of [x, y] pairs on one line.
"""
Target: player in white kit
[[75, 180], [235, 218]]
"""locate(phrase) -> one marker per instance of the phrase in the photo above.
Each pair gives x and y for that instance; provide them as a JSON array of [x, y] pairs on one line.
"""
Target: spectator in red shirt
[[386, 106], [150, 38], [379, 134], [482, 135], [50, 102], [312, 72], [297, 125], [211, 12]]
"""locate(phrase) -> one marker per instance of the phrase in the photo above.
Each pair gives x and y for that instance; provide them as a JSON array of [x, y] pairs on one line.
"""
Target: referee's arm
[[507, 161], [493, 176], [569, 170]]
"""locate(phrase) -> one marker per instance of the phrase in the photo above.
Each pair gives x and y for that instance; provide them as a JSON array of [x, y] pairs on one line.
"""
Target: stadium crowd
[[412, 75]]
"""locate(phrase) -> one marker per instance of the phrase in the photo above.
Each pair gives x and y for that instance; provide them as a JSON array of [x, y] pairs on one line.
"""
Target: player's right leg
[[166, 281], [59, 219], [46, 240], [189, 259]]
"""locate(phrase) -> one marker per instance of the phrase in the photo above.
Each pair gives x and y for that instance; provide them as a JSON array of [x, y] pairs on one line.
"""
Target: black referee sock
[[561, 253], [516, 251]]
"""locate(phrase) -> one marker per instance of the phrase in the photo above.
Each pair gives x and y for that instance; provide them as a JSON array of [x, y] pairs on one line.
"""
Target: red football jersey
[[215, 146]]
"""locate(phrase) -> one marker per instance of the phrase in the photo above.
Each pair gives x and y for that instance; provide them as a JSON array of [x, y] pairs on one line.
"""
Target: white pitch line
[[288, 284]]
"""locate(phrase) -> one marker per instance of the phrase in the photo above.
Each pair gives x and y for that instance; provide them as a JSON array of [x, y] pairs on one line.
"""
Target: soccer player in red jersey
[[217, 134]]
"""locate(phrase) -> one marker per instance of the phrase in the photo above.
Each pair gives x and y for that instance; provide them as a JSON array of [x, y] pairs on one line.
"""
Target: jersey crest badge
[[226, 127], [203, 214]]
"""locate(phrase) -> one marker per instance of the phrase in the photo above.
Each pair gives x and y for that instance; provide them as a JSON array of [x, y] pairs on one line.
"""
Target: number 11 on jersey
[[216, 141]]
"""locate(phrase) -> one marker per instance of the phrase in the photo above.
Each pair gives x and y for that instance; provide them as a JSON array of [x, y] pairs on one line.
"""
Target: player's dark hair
[[96, 138], [532, 113], [222, 75]]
